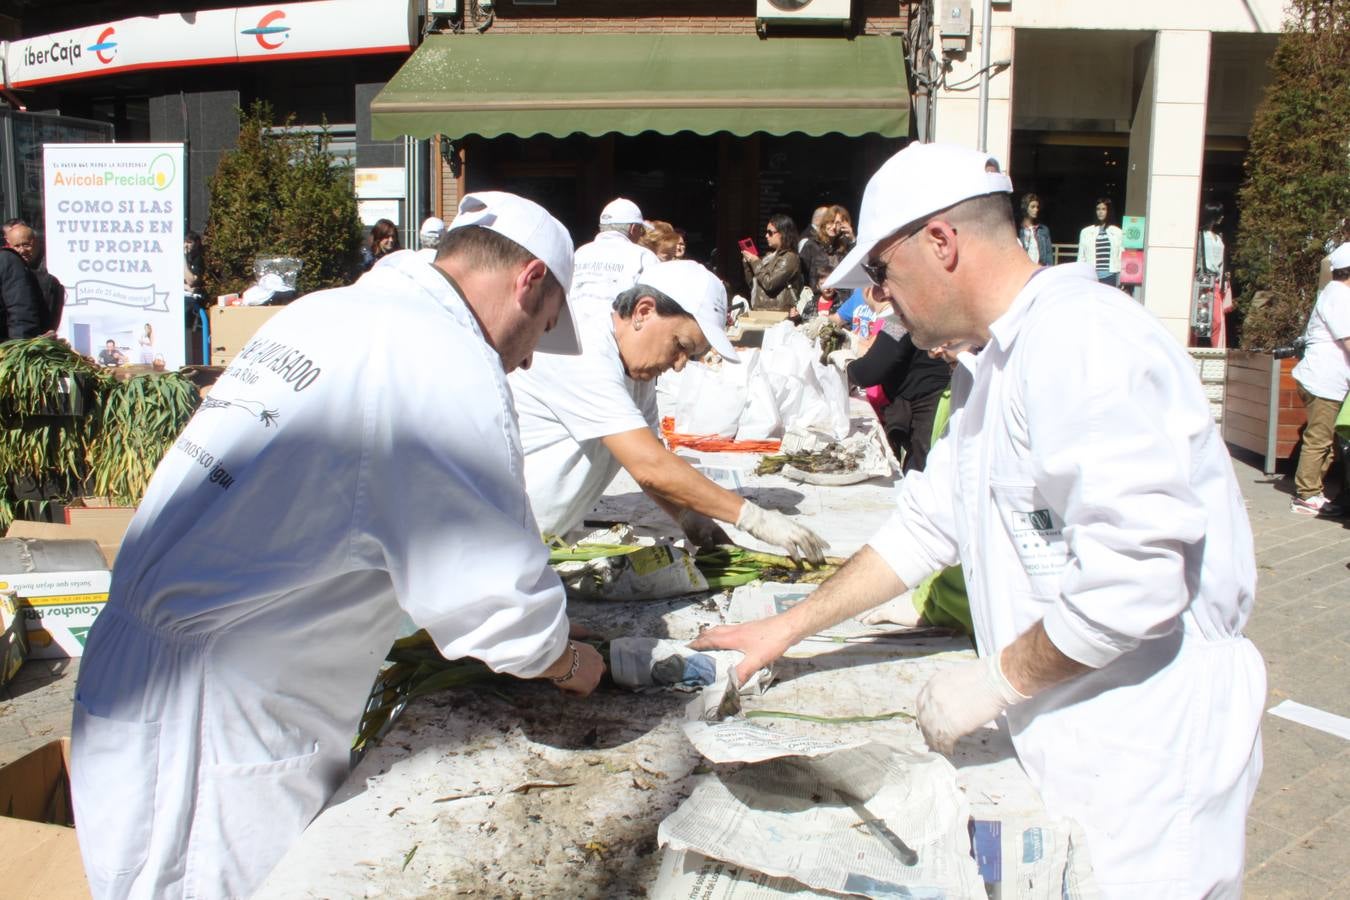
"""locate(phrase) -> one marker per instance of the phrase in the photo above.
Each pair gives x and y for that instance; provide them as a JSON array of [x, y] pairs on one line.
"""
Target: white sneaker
[[1317, 505]]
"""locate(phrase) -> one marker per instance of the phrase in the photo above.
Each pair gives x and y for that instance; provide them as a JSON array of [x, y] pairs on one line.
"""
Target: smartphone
[[748, 245]]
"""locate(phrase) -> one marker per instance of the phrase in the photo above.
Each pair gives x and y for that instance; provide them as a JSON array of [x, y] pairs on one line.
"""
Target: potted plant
[[68, 428]]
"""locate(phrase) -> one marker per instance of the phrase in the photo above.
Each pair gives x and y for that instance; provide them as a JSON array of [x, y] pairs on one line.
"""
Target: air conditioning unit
[[804, 12]]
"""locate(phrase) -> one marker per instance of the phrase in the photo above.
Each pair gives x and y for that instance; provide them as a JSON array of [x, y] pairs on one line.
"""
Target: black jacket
[[902, 370], [21, 304]]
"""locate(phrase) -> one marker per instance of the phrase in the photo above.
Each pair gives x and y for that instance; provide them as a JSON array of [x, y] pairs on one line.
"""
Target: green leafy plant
[[1296, 196], [138, 420], [68, 428], [46, 393], [280, 194]]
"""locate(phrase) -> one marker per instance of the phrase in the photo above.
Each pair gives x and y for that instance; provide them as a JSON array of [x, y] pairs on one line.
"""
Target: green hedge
[[280, 195], [1296, 197]]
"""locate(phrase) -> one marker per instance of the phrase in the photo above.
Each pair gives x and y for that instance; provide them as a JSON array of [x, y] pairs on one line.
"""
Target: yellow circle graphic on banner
[[163, 171]]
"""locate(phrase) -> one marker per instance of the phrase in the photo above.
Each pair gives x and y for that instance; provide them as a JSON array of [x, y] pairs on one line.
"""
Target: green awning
[[561, 84]]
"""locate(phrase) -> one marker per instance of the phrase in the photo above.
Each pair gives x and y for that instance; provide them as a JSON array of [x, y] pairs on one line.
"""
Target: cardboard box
[[104, 525], [62, 587], [13, 636], [233, 326], [41, 857]]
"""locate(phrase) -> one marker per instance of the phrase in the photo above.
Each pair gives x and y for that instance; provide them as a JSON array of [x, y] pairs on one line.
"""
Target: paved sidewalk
[[1299, 826]]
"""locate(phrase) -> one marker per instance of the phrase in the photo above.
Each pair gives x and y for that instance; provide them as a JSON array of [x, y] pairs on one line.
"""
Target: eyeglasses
[[769, 231], [877, 271]]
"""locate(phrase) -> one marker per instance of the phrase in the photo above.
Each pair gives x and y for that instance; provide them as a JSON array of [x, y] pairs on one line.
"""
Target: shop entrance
[[718, 188]]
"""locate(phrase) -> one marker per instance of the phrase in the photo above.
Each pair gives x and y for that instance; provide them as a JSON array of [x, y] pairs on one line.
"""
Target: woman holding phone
[[776, 278]]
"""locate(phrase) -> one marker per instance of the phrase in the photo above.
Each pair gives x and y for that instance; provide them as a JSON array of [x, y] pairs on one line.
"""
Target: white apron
[[358, 460], [1082, 483]]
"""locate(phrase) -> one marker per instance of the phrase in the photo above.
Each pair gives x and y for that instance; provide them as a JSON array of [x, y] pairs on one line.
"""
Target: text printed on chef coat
[[1039, 539], [216, 473]]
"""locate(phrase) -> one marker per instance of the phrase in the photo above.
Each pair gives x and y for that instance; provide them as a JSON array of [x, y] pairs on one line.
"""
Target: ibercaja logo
[[105, 48], [271, 31]]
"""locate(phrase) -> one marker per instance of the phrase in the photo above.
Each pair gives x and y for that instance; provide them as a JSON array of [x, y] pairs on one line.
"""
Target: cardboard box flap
[[41, 862], [36, 787], [105, 524]]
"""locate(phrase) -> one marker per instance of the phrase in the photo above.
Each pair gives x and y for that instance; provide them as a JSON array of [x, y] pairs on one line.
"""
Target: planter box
[[1262, 409]]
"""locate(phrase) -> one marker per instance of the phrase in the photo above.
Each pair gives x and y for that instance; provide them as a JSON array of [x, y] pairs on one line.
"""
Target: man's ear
[[530, 286], [942, 241], [644, 309]]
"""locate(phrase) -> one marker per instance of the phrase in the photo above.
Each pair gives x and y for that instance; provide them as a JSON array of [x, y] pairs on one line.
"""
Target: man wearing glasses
[[1082, 485]]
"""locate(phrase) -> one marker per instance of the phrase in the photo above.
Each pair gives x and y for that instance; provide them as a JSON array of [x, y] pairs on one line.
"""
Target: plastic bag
[[760, 420], [710, 399]]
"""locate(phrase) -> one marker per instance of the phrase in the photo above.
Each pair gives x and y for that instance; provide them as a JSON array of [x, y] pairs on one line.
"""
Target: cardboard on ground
[[42, 856]]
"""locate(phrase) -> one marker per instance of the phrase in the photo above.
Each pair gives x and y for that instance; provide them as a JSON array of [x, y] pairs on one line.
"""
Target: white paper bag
[[710, 399]]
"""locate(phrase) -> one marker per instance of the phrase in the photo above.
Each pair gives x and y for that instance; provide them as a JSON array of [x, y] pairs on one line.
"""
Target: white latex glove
[[814, 327], [701, 530], [960, 699], [841, 358], [772, 527]]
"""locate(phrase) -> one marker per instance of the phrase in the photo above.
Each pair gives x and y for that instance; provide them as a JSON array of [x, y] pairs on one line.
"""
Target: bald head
[[19, 235]]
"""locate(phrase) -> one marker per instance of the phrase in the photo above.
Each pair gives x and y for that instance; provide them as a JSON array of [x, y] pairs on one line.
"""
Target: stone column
[[1180, 81]]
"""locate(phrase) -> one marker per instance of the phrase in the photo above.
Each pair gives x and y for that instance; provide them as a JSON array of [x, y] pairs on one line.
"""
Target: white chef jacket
[[567, 404], [1324, 370], [605, 268], [1081, 481], [359, 459]]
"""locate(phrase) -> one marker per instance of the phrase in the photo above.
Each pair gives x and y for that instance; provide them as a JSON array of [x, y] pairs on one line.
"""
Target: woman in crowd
[[194, 263], [840, 229], [1100, 243], [776, 278], [816, 250], [383, 241], [1033, 234], [662, 239]]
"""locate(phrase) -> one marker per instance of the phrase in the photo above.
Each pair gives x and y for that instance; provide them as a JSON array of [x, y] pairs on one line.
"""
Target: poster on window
[[114, 234]]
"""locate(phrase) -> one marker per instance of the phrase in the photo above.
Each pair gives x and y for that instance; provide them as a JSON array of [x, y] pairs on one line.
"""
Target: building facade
[[161, 76], [711, 114], [1146, 103]]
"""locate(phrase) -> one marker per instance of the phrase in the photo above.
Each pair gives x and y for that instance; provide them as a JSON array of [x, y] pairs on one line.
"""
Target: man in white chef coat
[[615, 260], [315, 498], [583, 417], [1084, 488]]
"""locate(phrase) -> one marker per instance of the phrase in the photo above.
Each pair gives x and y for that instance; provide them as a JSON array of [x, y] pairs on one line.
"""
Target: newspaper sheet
[[647, 573], [863, 819], [740, 741], [1031, 858], [686, 875]]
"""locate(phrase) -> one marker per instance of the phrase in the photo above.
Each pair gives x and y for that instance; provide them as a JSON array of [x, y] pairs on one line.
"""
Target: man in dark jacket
[[20, 236], [24, 314]]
